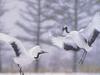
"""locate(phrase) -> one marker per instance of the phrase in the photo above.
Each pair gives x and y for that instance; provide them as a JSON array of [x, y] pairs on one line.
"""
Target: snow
[[12, 4], [82, 15], [51, 74], [68, 4]]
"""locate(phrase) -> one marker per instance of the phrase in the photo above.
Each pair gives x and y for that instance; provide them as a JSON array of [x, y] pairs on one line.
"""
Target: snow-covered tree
[[2, 11]]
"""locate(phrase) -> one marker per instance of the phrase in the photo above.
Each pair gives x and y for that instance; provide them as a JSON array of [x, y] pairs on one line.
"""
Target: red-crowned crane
[[22, 57], [79, 40]]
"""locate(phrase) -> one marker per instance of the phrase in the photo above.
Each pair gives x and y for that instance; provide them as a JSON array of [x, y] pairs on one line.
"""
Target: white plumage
[[23, 57], [77, 40]]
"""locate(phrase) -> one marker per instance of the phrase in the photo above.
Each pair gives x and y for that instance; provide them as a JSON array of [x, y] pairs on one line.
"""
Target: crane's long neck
[[66, 30], [37, 55]]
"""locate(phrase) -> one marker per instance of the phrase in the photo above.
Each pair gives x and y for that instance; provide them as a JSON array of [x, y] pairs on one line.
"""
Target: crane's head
[[65, 28], [36, 52]]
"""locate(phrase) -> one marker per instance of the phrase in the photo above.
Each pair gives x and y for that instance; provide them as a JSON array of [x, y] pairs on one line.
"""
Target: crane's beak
[[42, 52]]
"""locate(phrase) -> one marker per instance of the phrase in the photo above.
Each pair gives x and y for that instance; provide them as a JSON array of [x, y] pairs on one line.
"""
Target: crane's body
[[79, 40]]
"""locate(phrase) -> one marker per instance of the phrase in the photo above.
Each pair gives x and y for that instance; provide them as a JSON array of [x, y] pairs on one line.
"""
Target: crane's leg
[[83, 57], [20, 70]]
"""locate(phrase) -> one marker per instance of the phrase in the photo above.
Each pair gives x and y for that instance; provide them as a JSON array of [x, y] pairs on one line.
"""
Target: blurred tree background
[[30, 21]]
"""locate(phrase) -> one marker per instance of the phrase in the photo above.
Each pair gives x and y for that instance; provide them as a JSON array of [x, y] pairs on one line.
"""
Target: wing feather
[[91, 32], [15, 43]]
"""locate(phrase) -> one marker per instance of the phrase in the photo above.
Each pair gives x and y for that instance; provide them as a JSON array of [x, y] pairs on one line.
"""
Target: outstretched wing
[[91, 32], [58, 41], [15, 43], [64, 42]]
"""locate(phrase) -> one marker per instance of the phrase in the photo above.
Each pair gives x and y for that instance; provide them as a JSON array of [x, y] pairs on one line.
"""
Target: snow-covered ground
[[51, 74]]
